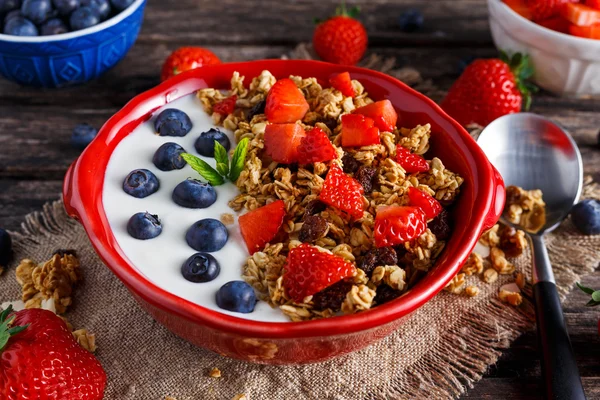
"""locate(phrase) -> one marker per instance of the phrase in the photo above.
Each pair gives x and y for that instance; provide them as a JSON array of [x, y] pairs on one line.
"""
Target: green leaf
[[204, 169], [17, 329], [592, 303], [585, 289], [238, 159], [5, 313], [221, 154], [504, 57], [596, 296], [222, 169]]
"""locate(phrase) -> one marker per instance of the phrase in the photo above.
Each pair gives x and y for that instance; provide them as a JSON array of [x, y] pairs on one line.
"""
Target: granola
[[525, 208]]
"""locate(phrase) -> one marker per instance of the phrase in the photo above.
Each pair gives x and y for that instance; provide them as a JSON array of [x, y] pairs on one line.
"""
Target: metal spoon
[[534, 153]]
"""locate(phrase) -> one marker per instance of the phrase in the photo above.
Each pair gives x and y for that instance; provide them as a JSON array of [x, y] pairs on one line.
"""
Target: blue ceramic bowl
[[70, 58]]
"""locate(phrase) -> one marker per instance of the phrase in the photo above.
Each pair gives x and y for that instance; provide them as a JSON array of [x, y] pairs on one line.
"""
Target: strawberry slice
[[315, 147], [589, 32], [382, 112], [398, 224], [595, 4], [343, 83], [285, 103], [282, 141], [226, 106], [342, 192], [520, 8], [558, 24], [580, 14], [430, 206], [409, 161], [358, 131], [260, 226], [308, 271]]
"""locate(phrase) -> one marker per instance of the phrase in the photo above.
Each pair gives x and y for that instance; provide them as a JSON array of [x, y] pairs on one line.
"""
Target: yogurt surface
[[160, 259]]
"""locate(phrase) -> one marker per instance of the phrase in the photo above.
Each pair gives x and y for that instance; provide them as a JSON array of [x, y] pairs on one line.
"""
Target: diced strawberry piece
[[358, 131], [595, 4], [308, 271], [589, 32], [282, 141], [409, 161], [430, 206], [315, 147], [382, 112], [519, 7], [580, 14], [558, 24], [226, 106], [260, 226], [342, 192], [397, 224], [285, 103], [343, 83]]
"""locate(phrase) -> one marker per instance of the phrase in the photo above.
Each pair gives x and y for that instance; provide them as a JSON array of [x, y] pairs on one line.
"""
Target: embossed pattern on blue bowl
[[81, 56]]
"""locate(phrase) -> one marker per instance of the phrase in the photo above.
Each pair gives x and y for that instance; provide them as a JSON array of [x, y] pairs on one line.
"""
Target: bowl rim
[[488, 206], [76, 34]]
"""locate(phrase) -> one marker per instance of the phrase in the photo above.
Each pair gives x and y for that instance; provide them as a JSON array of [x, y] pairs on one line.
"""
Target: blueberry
[[13, 14], [411, 20], [82, 135], [100, 7], [236, 296], [54, 26], [172, 122], [6, 252], [144, 226], [205, 144], [120, 5], [66, 7], [9, 5], [168, 157], [586, 216], [83, 17], [192, 193], [200, 267], [207, 235], [37, 11], [19, 26], [140, 183]]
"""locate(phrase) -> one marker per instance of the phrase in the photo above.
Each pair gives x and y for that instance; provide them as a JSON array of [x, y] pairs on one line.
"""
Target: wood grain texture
[[35, 124]]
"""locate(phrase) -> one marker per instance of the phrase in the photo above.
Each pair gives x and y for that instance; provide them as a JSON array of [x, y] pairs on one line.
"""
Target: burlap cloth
[[441, 351]]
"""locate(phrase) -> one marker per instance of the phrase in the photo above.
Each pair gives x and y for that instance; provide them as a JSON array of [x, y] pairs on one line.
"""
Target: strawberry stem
[[6, 330], [522, 69]]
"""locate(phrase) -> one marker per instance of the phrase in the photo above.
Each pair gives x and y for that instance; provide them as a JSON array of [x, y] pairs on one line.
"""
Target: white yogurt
[[160, 259]]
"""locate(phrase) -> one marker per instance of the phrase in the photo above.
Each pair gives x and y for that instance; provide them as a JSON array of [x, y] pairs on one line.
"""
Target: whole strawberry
[[341, 39], [488, 89], [186, 58], [40, 359]]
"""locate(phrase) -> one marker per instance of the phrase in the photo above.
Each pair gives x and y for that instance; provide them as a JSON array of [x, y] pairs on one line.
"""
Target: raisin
[[386, 294], [440, 225], [331, 124], [365, 176], [509, 242], [387, 256], [350, 163], [314, 228], [332, 297], [314, 207], [64, 252], [369, 261], [258, 108]]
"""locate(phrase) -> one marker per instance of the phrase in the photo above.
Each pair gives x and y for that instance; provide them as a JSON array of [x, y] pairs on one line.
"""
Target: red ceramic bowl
[[477, 209]]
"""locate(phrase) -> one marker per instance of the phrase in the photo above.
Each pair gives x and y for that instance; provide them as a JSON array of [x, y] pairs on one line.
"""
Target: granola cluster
[[525, 208], [385, 182]]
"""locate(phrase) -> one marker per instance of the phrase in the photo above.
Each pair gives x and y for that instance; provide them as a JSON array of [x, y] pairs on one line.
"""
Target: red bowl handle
[[498, 200], [68, 191]]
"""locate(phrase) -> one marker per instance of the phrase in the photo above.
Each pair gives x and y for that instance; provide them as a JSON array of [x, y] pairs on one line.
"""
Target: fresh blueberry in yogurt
[[205, 144], [168, 157], [37, 11], [66, 7], [193, 193], [9, 5], [586, 216], [207, 235], [83, 17], [100, 7], [120, 5], [82, 136], [53, 26], [6, 251], [172, 122], [200, 267], [140, 183], [236, 296], [144, 226], [19, 26]]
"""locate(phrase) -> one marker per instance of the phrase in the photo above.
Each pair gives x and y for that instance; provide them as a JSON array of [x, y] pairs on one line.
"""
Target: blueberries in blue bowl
[[144, 226], [82, 136], [19, 26], [586, 216], [236, 296], [193, 193], [200, 267], [411, 20], [66, 7], [120, 5], [83, 17], [9, 5], [140, 183], [207, 235], [12, 14], [168, 157], [37, 11], [172, 122], [53, 26], [100, 7], [205, 144], [6, 251]]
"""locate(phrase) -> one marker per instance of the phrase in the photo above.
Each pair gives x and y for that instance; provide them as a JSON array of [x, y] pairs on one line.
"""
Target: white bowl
[[564, 64]]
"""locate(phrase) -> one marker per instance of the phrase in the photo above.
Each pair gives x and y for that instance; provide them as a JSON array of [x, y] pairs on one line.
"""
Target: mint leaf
[[596, 296], [204, 169], [585, 289], [592, 303], [222, 159], [238, 160], [222, 168]]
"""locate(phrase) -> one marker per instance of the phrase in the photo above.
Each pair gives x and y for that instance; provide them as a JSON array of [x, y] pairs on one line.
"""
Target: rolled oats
[[490, 237], [490, 275], [240, 397], [473, 265], [520, 280], [500, 263], [471, 291], [227, 219], [456, 285], [214, 373], [525, 208], [359, 298], [512, 298], [86, 339]]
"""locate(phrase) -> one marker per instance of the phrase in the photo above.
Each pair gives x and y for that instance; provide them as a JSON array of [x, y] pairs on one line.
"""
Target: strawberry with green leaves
[[595, 298], [186, 58], [489, 89]]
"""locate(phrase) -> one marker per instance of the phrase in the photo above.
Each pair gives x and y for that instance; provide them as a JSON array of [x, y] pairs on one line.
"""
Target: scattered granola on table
[[214, 373], [360, 198]]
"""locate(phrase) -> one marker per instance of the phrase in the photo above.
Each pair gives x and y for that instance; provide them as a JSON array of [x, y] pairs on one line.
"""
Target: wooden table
[[35, 125]]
